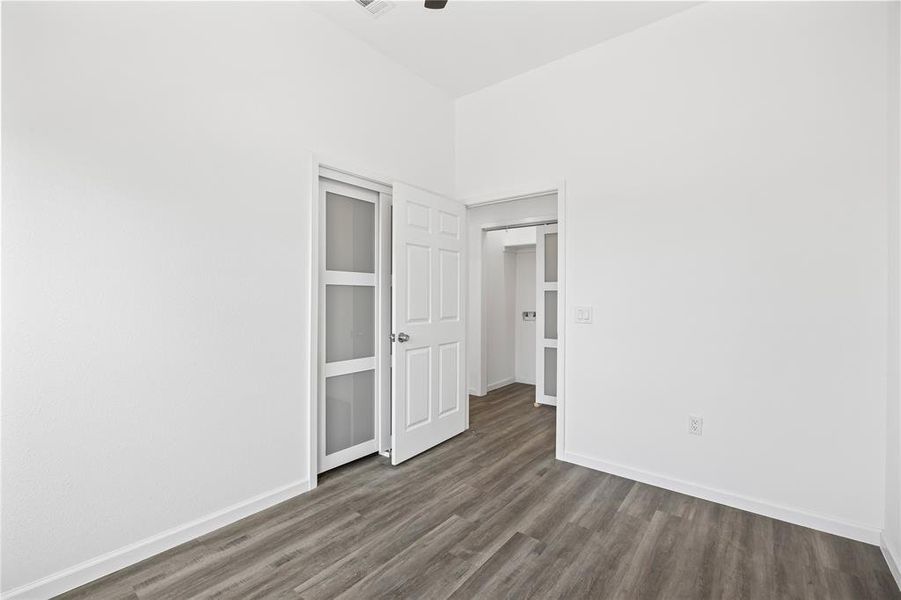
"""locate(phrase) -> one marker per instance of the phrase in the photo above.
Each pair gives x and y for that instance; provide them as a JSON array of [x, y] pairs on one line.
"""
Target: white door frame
[[352, 175], [557, 187]]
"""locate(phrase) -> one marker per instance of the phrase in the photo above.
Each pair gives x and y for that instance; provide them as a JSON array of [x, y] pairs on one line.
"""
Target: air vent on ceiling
[[376, 7]]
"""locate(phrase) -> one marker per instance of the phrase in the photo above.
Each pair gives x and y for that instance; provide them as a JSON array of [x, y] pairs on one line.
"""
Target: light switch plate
[[583, 314]]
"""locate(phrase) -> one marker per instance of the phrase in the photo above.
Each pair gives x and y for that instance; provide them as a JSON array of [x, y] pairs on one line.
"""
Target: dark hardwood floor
[[492, 514]]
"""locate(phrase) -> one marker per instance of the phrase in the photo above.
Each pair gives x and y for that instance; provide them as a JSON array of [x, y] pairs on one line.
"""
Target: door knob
[[402, 337]]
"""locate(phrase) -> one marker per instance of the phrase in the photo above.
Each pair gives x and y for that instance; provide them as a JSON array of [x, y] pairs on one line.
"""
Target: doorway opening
[[516, 299], [520, 299], [508, 262], [387, 320], [353, 320]]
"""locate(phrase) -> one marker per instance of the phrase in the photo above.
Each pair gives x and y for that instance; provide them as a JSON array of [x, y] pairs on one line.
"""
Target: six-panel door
[[428, 388]]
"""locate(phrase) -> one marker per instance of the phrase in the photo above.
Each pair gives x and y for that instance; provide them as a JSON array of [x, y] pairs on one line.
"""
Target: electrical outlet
[[695, 425]]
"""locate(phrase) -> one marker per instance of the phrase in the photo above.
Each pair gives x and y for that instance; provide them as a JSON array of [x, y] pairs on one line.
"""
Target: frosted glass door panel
[[550, 315], [550, 372], [349, 322], [550, 257], [349, 234], [349, 410], [549, 327]]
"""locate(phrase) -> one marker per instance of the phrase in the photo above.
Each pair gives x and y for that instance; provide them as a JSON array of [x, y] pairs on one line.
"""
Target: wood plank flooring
[[492, 514]]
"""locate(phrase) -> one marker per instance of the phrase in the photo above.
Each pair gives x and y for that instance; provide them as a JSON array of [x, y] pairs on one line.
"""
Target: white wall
[[500, 303], [520, 236], [477, 218], [892, 535], [526, 286], [155, 196], [726, 206]]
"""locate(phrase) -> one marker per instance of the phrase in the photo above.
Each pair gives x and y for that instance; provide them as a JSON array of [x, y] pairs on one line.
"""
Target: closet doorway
[[519, 265], [354, 319], [517, 303], [387, 322]]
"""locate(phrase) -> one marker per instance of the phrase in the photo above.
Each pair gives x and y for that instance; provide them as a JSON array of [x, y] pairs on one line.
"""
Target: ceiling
[[472, 44]]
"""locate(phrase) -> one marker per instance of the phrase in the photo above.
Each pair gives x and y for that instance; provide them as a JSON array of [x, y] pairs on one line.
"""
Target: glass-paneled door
[[548, 315], [348, 330]]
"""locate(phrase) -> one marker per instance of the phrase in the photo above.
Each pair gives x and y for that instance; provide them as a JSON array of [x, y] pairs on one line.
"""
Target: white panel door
[[350, 360], [428, 391], [548, 311]]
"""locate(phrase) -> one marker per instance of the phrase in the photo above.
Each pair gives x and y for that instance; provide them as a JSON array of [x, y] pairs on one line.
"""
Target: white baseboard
[[892, 557], [80, 574], [854, 531], [500, 384]]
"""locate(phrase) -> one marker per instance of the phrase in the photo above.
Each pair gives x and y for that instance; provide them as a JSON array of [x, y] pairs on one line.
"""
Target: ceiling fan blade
[[436, 4]]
